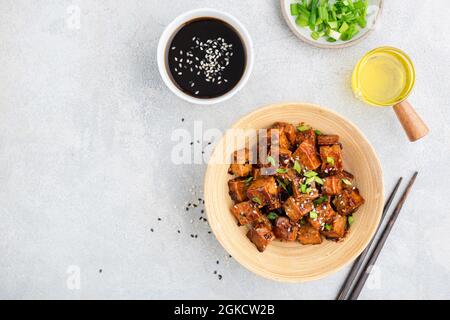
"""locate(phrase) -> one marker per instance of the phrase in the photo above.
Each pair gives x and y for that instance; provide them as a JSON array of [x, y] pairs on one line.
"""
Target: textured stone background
[[85, 171]]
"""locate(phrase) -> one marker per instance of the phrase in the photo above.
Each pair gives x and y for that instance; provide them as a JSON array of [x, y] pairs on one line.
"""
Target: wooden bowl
[[292, 261]]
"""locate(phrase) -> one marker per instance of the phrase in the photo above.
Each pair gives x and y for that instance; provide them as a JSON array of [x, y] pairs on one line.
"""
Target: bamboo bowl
[[293, 262]]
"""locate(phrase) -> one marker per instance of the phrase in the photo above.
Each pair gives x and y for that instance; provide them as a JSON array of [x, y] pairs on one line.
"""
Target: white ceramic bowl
[[374, 11], [173, 28]]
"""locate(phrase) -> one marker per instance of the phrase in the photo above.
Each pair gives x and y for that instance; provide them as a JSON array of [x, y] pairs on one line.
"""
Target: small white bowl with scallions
[[331, 23]]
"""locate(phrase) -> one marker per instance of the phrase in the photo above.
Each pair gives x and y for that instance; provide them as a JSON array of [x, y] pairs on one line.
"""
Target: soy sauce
[[206, 58]]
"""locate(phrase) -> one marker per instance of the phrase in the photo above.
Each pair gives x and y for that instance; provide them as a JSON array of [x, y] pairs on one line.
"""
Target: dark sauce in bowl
[[206, 58]]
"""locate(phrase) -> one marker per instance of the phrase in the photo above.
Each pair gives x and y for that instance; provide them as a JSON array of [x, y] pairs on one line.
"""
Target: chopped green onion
[[257, 200], [248, 180], [309, 180], [282, 184], [297, 167], [318, 132], [281, 170], [330, 160], [340, 19], [303, 188], [310, 174], [313, 215], [321, 200], [294, 9], [271, 160], [328, 227], [318, 180], [347, 182], [272, 216], [350, 220], [303, 127], [315, 35]]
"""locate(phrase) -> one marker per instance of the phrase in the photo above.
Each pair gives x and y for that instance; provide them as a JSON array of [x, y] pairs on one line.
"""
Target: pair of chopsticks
[[346, 293]]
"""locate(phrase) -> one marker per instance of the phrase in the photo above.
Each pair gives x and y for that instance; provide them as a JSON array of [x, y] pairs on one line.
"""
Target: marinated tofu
[[263, 191], [238, 189], [284, 229], [261, 235], [321, 215], [299, 181], [246, 212], [348, 201], [288, 129], [332, 185], [295, 208], [306, 135], [336, 229], [331, 157], [309, 235], [306, 154], [327, 139], [240, 166]]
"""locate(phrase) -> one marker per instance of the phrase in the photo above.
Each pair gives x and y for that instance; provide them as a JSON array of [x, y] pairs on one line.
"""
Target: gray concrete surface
[[85, 170]]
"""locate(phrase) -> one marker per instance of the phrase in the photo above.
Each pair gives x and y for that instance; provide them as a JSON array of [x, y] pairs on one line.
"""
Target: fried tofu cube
[[306, 135], [238, 189], [332, 185], [337, 228], [348, 201], [311, 193], [263, 191], [307, 155], [327, 139], [331, 157], [240, 166], [280, 155], [309, 235], [277, 138], [295, 209], [288, 129], [324, 214], [261, 235], [284, 229], [245, 212]]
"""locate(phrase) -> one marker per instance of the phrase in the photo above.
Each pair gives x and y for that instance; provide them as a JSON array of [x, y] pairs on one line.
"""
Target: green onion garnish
[[318, 132], [281, 170], [347, 182], [271, 160], [297, 167], [257, 200], [328, 227], [318, 180], [320, 200], [303, 127], [313, 215], [310, 174], [350, 220], [248, 180], [330, 160], [303, 188], [272, 216]]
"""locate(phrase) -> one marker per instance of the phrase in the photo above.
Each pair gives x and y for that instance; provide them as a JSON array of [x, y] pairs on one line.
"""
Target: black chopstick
[[376, 251], [357, 265]]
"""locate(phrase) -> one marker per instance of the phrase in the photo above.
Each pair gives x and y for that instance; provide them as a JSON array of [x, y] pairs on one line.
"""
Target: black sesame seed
[[217, 262], [220, 277], [159, 219], [100, 270], [152, 230], [215, 271]]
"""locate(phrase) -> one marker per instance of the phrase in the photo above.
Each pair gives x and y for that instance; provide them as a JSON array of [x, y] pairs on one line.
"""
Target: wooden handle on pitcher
[[412, 123]]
